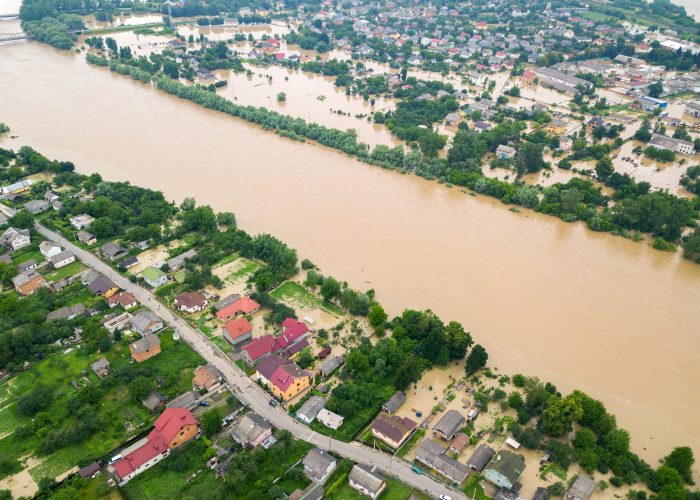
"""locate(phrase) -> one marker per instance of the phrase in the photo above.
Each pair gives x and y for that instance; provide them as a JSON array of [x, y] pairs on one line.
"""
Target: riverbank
[[566, 291]]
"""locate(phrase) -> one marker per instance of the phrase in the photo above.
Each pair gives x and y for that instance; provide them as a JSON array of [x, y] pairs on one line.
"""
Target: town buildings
[[145, 348]]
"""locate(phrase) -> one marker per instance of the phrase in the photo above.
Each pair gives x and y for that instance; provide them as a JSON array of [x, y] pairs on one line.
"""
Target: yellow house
[[284, 378], [557, 127]]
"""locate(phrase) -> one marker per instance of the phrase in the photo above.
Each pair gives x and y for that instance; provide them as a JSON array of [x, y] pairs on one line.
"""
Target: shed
[[449, 425], [309, 410], [394, 402], [582, 489], [481, 457]]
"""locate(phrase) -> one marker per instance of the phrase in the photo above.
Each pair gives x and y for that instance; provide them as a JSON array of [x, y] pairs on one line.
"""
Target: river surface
[[584, 310]]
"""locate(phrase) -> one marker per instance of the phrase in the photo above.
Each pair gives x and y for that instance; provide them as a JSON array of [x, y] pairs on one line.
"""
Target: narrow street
[[247, 391]]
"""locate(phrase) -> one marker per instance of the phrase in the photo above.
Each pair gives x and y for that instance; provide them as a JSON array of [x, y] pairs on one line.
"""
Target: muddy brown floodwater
[[583, 310]]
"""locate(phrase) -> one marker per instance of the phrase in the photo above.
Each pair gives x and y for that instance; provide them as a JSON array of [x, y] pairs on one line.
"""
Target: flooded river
[[612, 317]]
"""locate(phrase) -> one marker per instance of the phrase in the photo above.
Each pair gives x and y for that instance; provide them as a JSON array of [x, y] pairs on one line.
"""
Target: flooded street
[[584, 310]]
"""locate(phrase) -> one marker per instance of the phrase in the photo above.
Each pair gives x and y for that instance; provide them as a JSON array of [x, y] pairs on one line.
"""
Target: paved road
[[250, 393]]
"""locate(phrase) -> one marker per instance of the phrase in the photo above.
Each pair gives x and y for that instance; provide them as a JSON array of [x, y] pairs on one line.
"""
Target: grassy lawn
[[227, 260], [247, 267], [410, 443], [474, 490], [65, 271], [221, 343], [26, 254], [8, 421], [394, 490], [295, 295], [371, 441], [351, 426]]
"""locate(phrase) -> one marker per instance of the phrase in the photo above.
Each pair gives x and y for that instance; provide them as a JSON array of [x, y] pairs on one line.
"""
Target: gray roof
[[450, 423], [100, 364], [25, 277], [560, 75], [394, 402], [508, 464], [367, 477], [582, 489], [226, 301], [541, 494], [433, 455], [184, 400], [481, 457], [153, 400], [36, 206], [178, 261], [147, 342], [31, 263], [327, 366], [101, 284], [249, 428], [111, 250], [142, 320], [66, 312], [316, 463], [85, 236], [311, 408], [66, 254]]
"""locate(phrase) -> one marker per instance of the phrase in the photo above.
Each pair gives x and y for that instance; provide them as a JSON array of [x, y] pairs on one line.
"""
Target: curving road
[[250, 393]]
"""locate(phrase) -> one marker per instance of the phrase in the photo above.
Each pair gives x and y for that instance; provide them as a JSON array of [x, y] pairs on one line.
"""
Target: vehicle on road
[[203, 403], [416, 469], [445, 497], [273, 403]]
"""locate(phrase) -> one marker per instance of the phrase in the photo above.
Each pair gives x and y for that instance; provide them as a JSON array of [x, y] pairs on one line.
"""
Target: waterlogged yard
[[295, 295]]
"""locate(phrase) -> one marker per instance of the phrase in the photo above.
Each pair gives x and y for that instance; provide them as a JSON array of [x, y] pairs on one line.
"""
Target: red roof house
[[258, 348], [238, 330], [244, 305]]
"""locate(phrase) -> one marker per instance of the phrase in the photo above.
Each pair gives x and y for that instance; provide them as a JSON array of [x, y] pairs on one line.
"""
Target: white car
[[445, 497]]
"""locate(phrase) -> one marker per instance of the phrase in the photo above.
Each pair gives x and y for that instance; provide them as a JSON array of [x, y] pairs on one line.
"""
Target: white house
[[83, 221], [62, 259], [15, 238], [48, 249], [330, 419]]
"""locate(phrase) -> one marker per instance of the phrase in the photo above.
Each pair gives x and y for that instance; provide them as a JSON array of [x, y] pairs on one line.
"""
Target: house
[[66, 312], [35, 207], [541, 493], [178, 261], [18, 187], [557, 127], [433, 455], [207, 377], [146, 322], [154, 277], [100, 367], [560, 80], [318, 465], [226, 301], [118, 322], [83, 221], [481, 457], [127, 262], [26, 266], [14, 239], [449, 425], [174, 427], [188, 400], [190, 302], [251, 430], [86, 238], [243, 305], [593, 123], [124, 299], [675, 145], [330, 419], [329, 365], [257, 349], [394, 402], [113, 252], [453, 119], [366, 480], [284, 378], [48, 249], [503, 152], [91, 471], [481, 126], [145, 348], [154, 401], [62, 259], [692, 109], [309, 410], [28, 282], [505, 469], [103, 286], [582, 489], [392, 429], [237, 331], [565, 143], [459, 442], [323, 354], [50, 196]]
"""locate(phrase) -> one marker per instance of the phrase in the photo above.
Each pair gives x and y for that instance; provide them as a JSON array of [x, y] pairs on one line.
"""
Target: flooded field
[[581, 309]]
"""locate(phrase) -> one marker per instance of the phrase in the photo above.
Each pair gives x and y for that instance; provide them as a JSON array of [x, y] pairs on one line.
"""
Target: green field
[[410, 443], [65, 271], [474, 490], [247, 268], [296, 296], [394, 490]]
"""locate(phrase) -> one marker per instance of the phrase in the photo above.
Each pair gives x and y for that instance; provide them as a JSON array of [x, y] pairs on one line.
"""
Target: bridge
[[11, 37]]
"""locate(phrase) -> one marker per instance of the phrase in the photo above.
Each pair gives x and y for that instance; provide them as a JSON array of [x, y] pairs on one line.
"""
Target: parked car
[[273, 403]]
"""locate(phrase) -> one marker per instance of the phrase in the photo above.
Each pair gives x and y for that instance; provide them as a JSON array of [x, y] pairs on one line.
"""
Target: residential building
[[459, 442], [251, 430], [560, 80], [178, 261], [392, 429], [692, 109], [284, 378], [127, 262], [582, 489], [83, 221], [154, 401], [188, 400], [36, 207], [174, 427], [118, 322], [14, 239], [557, 127], [433, 455], [86, 238], [309, 410], [48, 249], [503, 152], [103, 286], [207, 377], [258, 348], [565, 143], [90, 471], [18, 187], [28, 282], [62, 259], [330, 419], [50, 196], [190, 302], [226, 301], [318, 465], [328, 366], [124, 299], [541, 493], [394, 402], [154, 277], [366, 480], [146, 322], [66, 312], [675, 145], [113, 252], [100, 367], [450, 423], [481, 457], [505, 469], [481, 126], [26, 265], [243, 305], [237, 331], [145, 348]]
